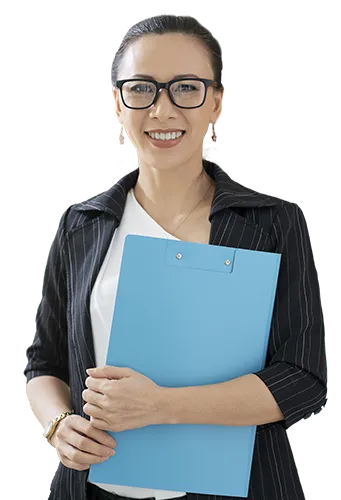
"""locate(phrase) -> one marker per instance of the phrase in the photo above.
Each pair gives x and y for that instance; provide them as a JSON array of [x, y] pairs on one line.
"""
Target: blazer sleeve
[[296, 367], [48, 353]]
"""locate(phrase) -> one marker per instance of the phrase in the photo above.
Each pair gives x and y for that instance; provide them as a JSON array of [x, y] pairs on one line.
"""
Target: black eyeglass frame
[[166, 85]]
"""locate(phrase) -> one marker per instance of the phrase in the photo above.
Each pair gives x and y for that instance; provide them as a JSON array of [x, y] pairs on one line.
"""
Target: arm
[[242, 401], [48, 353], [48, 397], [296, 367], [293, 383]]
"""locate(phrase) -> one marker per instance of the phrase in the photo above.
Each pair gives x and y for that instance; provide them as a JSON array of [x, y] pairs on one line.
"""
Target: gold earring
[[213, 140], [122, 141], [121, 138]]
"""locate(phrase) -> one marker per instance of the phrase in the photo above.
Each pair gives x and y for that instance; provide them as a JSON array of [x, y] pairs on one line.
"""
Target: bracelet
[[57, 420]]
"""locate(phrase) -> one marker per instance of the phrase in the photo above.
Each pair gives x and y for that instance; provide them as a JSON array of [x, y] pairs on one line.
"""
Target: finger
[[86, 427], [93, 397], [101, 424], [72, 465], [80, 457], [96, 384], [93, 410], [87, 445], [109, 371]]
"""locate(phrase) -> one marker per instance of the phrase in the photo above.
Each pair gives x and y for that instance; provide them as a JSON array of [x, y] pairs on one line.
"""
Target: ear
[[218, 102], [117, 97]]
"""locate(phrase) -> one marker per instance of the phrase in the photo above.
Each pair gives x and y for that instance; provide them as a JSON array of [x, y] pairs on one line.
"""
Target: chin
[[169, 164]]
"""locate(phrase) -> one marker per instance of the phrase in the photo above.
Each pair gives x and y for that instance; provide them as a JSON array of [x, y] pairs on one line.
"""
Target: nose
[[163, 105]]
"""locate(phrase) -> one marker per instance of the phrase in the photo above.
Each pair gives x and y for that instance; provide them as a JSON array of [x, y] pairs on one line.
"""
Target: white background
[[279, 133]]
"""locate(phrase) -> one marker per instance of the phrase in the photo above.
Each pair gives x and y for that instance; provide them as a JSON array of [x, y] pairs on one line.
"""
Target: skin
[[171, 181]]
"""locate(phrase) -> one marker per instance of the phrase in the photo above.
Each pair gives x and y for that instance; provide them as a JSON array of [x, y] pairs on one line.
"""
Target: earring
[[122, 138], [213, 140], [122, 141]]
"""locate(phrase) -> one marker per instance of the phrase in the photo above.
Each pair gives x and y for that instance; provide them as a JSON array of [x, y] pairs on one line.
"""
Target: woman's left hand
[[120, 399]]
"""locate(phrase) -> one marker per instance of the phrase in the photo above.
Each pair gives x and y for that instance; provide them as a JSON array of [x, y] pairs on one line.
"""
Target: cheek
[[133, 126], [198, 124]]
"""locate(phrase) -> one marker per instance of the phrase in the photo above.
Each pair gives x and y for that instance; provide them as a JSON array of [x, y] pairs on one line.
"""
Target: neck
[[171, 194]]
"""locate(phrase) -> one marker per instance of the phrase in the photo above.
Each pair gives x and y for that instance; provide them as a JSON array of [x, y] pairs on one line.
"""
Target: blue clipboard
[[189, 314]]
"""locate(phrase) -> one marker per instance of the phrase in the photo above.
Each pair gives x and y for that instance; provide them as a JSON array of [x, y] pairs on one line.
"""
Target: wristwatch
[[51, 425]]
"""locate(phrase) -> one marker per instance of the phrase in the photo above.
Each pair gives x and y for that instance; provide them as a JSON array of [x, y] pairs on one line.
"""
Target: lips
[[165, 144]]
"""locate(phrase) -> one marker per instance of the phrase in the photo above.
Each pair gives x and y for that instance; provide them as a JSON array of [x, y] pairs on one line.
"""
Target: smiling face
[[164, 57]]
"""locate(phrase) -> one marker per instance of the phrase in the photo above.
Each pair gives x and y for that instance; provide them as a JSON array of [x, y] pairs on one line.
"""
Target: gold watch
[[51, 425]]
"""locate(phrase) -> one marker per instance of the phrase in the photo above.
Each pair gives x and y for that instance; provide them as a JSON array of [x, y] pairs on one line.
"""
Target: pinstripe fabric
[[295, 370]]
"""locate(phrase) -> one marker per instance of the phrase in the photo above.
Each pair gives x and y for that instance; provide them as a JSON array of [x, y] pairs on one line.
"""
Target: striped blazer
[[295, 371]]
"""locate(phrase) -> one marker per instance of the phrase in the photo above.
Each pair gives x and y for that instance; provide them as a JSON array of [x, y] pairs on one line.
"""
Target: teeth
[[165, 137]]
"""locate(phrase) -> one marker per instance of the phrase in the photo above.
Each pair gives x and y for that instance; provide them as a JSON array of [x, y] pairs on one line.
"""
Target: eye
[[141, 88], [183, 87]]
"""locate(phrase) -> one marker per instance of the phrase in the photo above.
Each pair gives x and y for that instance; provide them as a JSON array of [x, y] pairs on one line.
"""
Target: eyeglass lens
[[186, 93]]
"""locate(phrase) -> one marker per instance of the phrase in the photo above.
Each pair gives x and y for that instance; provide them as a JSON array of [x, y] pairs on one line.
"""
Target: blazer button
[[317, 411], [308, 415]]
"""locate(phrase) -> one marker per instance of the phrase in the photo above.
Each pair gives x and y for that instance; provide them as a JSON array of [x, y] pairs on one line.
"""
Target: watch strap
[[56, 420]]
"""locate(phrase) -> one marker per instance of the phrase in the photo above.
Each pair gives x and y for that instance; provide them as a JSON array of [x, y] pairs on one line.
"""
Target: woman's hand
[[79, 443], [120, 399]]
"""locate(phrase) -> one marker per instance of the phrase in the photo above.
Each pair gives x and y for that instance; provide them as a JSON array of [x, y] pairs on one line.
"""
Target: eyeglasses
[[138, 93]]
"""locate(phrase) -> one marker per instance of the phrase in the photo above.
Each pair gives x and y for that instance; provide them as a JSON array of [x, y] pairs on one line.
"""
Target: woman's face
[[163, 57]]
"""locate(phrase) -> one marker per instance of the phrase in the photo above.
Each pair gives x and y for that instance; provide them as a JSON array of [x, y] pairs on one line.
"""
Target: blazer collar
[[228, 193]]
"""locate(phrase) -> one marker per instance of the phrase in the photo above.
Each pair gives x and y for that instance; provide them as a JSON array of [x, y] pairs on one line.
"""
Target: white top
[[135, 220]]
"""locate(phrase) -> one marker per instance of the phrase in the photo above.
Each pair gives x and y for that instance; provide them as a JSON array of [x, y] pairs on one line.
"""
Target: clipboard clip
[[188, 254]]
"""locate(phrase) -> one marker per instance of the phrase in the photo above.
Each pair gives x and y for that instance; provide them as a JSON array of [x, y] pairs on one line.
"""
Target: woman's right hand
[[79, 444]]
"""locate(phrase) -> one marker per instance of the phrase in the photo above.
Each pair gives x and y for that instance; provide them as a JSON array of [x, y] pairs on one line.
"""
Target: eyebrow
[[176, 76]]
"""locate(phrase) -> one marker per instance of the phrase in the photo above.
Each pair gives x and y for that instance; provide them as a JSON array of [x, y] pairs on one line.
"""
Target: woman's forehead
[[165, 57]]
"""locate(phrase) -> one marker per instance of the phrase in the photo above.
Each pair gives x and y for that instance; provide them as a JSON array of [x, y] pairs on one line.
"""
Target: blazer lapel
[[86, 249], [231, 230], [88, 243]]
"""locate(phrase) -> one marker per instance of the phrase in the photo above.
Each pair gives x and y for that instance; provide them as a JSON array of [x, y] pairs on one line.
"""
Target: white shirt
[[135, 220]]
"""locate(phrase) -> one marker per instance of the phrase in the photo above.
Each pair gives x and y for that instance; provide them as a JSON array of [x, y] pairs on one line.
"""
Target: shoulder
[[288, 214], [260, 199], [73, 219], [273, 214]]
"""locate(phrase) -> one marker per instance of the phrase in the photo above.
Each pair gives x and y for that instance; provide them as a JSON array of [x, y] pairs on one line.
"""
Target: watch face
[[48, 428]]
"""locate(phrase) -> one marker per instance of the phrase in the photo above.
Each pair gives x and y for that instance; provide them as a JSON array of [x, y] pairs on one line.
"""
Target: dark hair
[[171, 24]]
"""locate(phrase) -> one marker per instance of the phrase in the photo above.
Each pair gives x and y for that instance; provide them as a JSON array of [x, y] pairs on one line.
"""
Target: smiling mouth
[[165, 143], [182, 133]]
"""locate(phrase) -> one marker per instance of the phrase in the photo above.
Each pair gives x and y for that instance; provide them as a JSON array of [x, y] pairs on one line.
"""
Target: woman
[[176, 194]]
